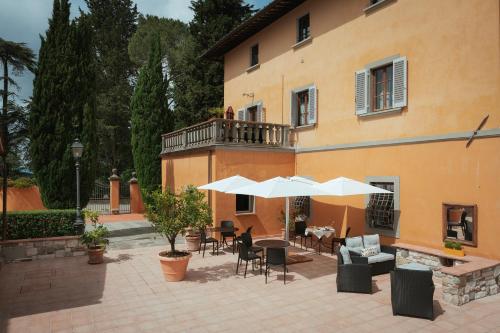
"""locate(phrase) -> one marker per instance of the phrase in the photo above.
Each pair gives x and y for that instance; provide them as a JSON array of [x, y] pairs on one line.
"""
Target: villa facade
[[388, 92]]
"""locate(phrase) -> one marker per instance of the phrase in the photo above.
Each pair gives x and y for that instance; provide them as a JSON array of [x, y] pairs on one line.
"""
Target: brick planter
[[41, 248]]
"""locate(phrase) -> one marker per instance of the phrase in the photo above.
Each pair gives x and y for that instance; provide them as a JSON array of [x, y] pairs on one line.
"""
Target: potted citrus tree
[[95, 239], [171, 215]]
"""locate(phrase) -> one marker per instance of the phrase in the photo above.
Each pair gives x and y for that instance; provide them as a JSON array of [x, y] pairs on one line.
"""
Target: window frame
[[298, 38], [397, 210], [255, 46], [295, 92], [251, 204], [386, 91]]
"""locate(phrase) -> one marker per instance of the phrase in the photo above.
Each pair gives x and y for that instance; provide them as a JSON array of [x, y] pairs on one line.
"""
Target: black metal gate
[[124, 198], [99, 198]]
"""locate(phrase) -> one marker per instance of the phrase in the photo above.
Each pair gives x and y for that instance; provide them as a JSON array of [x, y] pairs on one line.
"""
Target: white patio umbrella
[[227, 184], [280, 187], [342, 186]]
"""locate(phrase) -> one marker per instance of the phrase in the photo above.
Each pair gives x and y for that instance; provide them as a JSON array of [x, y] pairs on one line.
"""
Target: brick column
[[114, 193], [136, 204]]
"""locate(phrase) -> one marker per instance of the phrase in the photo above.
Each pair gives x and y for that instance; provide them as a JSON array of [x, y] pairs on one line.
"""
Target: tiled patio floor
[[128, 294]]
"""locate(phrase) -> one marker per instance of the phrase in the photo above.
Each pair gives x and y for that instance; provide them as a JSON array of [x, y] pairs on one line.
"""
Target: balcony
[[225, 132]]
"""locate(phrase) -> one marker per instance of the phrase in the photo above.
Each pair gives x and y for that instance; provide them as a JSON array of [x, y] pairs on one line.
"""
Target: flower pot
[[193, 242], [454, 252], [174, 268], [96, 255]]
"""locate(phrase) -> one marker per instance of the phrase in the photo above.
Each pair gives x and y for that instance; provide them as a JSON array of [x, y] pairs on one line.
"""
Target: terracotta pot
[[96, 255], [454, 252], [193, 242], [174, 268]]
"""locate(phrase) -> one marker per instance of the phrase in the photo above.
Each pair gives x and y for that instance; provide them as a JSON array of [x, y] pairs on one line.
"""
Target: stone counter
[[468, 278], [41, 248]]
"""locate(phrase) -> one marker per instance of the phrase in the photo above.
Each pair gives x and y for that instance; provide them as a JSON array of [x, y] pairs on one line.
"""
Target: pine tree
[[113, 23], [63, 108], [150, 119], [199, 83]]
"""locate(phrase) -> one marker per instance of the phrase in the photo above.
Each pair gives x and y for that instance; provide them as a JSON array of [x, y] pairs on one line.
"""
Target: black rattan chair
[[276, 257], [300, 230], [245, 254], [229, 233], [207, 240], [353, 278], [340, 240], [412, 293]]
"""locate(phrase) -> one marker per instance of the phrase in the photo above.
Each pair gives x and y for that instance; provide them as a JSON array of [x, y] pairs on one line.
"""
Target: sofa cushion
[[372, 240], [381, 257], [346, 257], [354, 244], [369, 251]]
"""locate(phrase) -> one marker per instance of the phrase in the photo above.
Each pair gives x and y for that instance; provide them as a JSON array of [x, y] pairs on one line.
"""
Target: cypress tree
[[150, 119], [63, 108]]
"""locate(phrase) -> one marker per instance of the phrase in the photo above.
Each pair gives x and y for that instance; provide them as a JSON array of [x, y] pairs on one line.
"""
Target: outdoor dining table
[[274, 243], [320, 233]]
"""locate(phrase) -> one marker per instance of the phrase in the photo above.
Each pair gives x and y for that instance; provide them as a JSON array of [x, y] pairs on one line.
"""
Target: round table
[[272, 243]]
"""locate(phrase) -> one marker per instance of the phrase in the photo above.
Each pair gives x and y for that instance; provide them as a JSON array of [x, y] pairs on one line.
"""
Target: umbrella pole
[[287, 222]]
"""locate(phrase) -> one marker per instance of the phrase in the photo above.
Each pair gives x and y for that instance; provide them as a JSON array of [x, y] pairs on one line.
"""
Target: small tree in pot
[[95, 239], [171, 215]]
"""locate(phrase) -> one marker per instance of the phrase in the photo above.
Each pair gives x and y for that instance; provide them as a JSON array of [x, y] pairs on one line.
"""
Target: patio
[[128, 294]]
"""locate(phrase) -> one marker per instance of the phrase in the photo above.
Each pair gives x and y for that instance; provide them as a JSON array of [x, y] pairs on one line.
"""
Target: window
[[301, 208], [303, 106], [254, 55], [303, 29], [381, 92], [252, 113], [382, 209], [244, 203]]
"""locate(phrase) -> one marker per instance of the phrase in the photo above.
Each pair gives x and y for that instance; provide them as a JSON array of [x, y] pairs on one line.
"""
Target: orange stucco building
[[387, 92]]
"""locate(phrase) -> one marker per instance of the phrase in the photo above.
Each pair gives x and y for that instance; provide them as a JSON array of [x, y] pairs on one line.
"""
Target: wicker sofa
[[381, 263]]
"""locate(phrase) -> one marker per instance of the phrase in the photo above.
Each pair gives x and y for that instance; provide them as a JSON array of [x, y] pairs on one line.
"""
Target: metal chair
[[204, 240], [276, 257]]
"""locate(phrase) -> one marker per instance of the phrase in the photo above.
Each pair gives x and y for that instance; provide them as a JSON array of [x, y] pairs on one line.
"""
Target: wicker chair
[[353, 278], [412, 293]]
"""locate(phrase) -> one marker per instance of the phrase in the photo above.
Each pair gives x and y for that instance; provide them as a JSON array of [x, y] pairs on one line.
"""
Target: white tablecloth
[[320, 232]]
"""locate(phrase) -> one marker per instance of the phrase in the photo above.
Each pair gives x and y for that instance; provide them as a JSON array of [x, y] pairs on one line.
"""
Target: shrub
[[97, 237], [40, 224]]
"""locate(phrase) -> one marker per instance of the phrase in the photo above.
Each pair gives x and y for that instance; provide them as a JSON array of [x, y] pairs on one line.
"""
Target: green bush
[[41, 223], [21, 182]]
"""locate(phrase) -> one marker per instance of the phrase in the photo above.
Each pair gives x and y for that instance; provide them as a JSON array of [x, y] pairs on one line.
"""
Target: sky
[[25, 20]]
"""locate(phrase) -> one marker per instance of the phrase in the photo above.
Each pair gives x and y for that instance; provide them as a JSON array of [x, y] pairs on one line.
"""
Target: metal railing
[[227, 132]]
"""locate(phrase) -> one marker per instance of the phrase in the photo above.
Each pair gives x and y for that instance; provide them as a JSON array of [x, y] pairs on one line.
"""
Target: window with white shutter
[[399, 72], [241, 114], [361, 80], [304, 106]]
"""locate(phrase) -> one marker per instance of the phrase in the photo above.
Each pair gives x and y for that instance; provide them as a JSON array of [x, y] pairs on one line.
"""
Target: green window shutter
[[241, 114], [294, 113], [399, 82], [260, 113], [313, 105], [362, 91]]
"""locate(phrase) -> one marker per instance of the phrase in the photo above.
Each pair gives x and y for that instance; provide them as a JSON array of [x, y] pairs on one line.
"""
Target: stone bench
[[464, 279]]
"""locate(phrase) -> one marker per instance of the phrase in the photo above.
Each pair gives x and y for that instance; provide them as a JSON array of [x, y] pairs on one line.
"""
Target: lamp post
[[77, 150]]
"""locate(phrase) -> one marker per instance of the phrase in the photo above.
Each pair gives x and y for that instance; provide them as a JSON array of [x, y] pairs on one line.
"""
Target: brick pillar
[[114, 193], [136, 204]]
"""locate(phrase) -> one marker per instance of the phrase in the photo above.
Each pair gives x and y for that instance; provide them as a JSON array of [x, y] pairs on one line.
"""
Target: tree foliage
[[63, 108], [150, 118], [113, 23]]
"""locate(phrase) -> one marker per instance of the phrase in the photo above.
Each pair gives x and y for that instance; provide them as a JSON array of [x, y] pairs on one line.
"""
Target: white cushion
[[354, 244], [372, 240], [381, 257], [346, 257], [369, 251]]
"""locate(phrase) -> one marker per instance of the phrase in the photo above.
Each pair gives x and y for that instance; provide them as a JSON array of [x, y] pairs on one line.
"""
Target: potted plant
[[95, 239], [453, 248], [171, 215]]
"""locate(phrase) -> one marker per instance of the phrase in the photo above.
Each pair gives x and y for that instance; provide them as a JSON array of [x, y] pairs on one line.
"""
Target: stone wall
[[41, 248], [457, 290]]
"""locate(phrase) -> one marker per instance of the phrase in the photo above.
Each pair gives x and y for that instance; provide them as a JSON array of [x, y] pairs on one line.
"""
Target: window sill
[[375, 6], [252, 68], [302, 43], [244, 213], [376, 113], [303, 127]]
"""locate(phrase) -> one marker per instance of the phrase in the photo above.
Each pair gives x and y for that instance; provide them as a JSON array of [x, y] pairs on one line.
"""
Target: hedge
[[41, 223]]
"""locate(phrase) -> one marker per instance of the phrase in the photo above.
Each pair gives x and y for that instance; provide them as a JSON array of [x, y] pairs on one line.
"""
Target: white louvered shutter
[[399, 82], [362, 91], [260, 113], [313, 105], [293, 109], [241, 114]]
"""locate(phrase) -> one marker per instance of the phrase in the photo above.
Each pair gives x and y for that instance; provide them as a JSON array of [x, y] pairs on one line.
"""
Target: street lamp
[[77, 150]]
